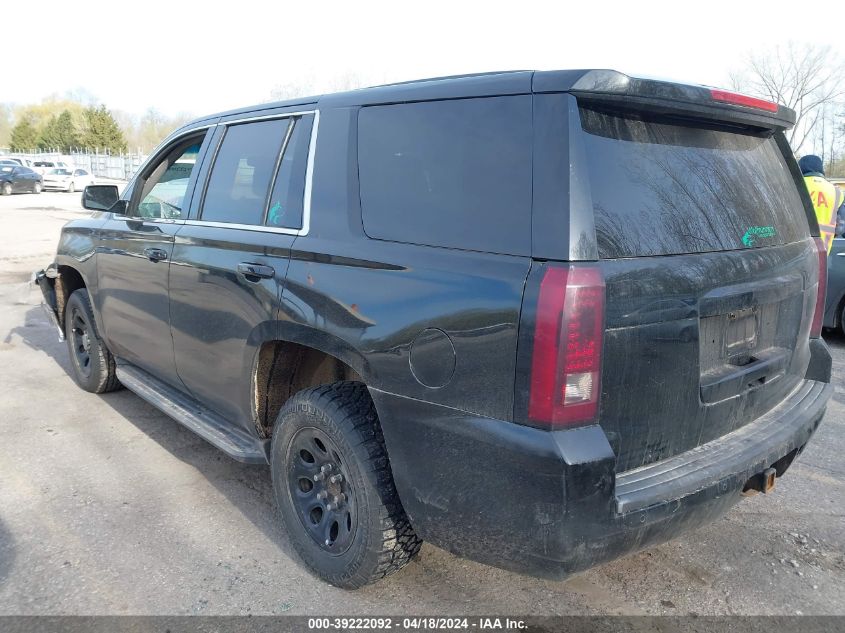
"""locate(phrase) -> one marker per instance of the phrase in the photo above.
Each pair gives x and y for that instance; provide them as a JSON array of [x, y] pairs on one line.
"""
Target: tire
[[71, 188], [6, 189], [842, 318], [36, 188], [367, 535], [92, 364]]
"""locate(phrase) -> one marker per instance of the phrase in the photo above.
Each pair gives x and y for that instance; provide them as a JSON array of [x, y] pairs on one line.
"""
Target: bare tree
[[804, 77], [315, 84]]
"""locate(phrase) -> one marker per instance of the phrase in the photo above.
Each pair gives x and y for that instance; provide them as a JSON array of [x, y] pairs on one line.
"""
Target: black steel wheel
[[334, 487], [80, 334], [321, 490], [92, 363]]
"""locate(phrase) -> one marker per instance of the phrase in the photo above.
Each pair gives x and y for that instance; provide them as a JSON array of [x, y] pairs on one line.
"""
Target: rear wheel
[[6, 189], [334, 487], [92, 363], [36, 188], [71, 188]]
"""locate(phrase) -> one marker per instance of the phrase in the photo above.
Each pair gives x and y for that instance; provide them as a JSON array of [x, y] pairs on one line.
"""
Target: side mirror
[[99, 197]]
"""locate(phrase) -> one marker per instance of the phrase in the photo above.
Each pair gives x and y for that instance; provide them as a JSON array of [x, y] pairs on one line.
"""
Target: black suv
[[539, 319]]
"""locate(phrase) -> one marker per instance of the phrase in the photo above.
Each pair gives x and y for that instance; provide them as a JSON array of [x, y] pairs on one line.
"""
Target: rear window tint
[[448, 173], [240, 178], [661, 188], [286, 200]]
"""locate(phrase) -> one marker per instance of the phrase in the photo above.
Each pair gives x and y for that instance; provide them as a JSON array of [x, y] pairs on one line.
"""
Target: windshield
[[663, 188]]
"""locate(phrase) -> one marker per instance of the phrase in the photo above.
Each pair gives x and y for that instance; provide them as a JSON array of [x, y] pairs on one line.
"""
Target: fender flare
[[311, 337]]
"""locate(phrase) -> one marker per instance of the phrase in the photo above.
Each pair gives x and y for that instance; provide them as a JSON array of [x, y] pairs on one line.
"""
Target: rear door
[[19, 180], [710, 273], [231, 258]]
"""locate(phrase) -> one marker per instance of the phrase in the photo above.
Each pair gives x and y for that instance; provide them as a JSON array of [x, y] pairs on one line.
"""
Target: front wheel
[[842, 319], [92, 364], [6, 189], [334, 487], [71, 188], [36, 188]]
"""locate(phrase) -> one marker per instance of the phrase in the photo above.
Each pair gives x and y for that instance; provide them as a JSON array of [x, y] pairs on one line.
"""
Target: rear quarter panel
[[433, 324]]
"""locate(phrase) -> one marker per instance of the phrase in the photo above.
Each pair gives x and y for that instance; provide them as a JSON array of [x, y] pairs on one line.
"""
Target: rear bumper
[[549, 504]]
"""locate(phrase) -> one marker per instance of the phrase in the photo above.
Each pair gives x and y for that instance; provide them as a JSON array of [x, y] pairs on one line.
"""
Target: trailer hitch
[[761, 482]]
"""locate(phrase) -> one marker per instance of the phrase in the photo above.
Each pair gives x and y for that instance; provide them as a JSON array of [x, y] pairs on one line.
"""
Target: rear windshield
[[661, 188]]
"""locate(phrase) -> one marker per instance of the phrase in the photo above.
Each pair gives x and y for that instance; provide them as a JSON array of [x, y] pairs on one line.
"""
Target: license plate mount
[[741, 331]]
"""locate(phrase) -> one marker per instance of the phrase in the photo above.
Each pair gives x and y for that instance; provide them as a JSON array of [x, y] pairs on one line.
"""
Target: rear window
[[242, 172], [662, 188], [448, 173]]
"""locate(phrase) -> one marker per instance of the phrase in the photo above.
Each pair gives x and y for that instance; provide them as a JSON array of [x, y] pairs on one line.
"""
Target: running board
[[235, 442]]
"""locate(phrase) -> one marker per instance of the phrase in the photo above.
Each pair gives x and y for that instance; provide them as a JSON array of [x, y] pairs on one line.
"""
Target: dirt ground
[[109, 507]]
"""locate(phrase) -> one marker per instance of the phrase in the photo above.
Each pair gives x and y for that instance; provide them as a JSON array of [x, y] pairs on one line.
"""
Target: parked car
[[539, 319], [67, 179], [16, 160], [44, 166], [835, 302], [17, 179]]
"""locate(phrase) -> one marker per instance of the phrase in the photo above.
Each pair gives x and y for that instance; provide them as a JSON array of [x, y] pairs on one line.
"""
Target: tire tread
[[349, 404], [108, 376]]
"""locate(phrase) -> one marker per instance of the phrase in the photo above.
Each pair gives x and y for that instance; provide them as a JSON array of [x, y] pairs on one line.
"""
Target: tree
[[316, 83], [102, 131], [804, 77], [5, 125], [24, 136], [60, 133]]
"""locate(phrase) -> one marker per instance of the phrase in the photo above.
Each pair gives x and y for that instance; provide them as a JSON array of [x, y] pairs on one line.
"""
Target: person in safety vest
[[825, 195]]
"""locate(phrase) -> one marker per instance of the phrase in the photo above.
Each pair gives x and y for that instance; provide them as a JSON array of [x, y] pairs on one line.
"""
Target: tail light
[[565, 378], [735, 98], [818, 316]]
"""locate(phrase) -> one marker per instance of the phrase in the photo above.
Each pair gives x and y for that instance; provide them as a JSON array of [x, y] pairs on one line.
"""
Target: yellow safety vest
[[826, 200]]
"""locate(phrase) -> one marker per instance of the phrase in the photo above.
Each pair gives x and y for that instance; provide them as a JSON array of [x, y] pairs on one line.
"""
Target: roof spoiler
[[663, 97]]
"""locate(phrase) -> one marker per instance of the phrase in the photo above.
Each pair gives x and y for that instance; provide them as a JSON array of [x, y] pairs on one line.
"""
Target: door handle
[[155, 254], [254, 272]]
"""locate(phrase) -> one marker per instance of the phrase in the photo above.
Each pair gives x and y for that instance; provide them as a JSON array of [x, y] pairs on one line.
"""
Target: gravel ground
[[109, 507]]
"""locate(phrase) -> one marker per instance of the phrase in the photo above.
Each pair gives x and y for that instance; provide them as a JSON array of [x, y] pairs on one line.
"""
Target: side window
[[448, 173], [240, 177], [163, 193], [286, 200]]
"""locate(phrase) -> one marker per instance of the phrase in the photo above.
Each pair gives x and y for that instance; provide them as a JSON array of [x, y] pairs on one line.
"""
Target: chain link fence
[[102, 165]]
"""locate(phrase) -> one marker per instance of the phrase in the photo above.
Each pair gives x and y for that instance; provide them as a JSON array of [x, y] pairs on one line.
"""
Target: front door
[[230, 259], [136, 245]]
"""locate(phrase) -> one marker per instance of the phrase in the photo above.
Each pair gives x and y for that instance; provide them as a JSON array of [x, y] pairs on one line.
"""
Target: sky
[[183, 56]]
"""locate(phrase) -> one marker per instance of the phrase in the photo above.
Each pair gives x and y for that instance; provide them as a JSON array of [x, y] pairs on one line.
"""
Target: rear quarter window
[[448, 173], [666, 188]]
